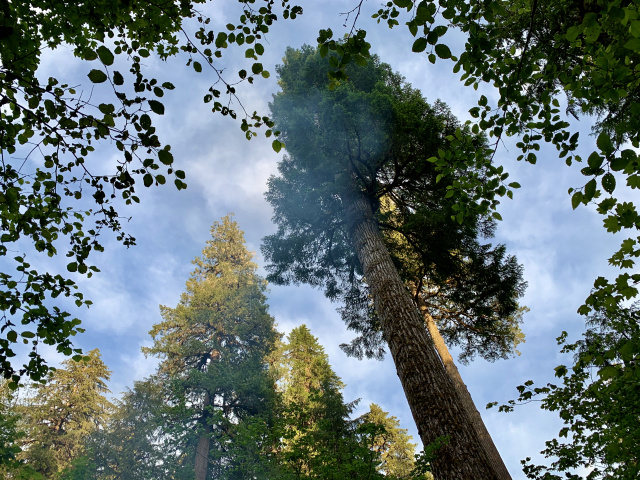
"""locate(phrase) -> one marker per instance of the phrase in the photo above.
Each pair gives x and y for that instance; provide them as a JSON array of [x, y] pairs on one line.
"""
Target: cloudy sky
[[562, 250]]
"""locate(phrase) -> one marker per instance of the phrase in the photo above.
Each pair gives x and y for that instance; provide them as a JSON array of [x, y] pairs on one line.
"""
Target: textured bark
[[204, 442], [434, 402], [465, 397]]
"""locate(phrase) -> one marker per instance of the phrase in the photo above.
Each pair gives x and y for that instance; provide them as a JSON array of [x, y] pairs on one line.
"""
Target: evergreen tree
[[213, 348], [392, 444], [135, 444], [60, 414], [350, 148], [320, 441]]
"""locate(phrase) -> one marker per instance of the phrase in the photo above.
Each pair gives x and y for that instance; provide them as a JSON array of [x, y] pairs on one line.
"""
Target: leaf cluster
[[51, 188], [596, 402]]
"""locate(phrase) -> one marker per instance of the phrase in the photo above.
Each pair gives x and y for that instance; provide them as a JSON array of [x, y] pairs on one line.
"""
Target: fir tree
[[320, 440], [213, 347], [392, 444]]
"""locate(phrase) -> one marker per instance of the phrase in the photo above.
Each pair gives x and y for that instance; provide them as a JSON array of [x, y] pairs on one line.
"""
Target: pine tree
[[351, 148], [60, 414], [213, 346]]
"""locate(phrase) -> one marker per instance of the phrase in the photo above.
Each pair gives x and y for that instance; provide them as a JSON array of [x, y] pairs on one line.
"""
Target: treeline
[[231, 399]]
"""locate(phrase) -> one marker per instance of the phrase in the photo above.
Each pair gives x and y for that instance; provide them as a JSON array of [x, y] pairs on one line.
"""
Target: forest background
[[226, 173]]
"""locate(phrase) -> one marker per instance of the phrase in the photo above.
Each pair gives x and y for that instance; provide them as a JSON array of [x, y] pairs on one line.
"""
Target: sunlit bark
[[436, 406]]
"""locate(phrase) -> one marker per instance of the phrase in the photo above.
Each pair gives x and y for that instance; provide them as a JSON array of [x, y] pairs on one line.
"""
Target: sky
[[562, 250]]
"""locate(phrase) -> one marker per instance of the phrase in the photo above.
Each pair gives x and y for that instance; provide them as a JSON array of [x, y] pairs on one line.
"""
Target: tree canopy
[[353, 150], [52, 191], [385, 130], [58, 417]]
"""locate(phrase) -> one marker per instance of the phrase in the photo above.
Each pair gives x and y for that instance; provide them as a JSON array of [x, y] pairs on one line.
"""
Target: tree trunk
[[465, 397], [434, 402], [204, 442]]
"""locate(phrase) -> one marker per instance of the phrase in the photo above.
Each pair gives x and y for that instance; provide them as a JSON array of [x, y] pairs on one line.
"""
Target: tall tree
[[319, 439], [60, 414], [12, 435], [135, 443], [213, 347], [350, 147]]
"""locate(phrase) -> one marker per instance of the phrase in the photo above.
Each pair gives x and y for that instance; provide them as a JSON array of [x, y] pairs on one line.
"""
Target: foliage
[[386, 131], [319, 439], [213, 348], [546, 56], [133, 444], [59, 415], [597, 402], [535, 52], [393, 444], [12, 436], [52, 188]]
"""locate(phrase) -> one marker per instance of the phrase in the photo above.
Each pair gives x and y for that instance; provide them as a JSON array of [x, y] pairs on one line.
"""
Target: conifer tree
[[392, 444], [320, 441], [213, 347], [350, 148], [136, 443], [60, 414]]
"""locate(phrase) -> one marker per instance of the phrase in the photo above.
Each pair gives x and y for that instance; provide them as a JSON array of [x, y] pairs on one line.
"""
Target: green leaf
[[618, 164], [89, 55], [105, 55], [106, 108], [221, 40], [608, 182], [197, 67], [608, 372], [419, 45], [443, 51], [117, 78], [276, 145], [12, 336], [256, 68], [72, 267], [576, 200], [604, 143], [403, 3], [165, 157], [572, 33], [147, 180], [145, 121], [561, 370], [97, 76], [156, 107], [595, 161], [590, 189]]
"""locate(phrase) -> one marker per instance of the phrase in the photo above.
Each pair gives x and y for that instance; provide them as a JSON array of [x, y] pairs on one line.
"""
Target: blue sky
[[562, 250]]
